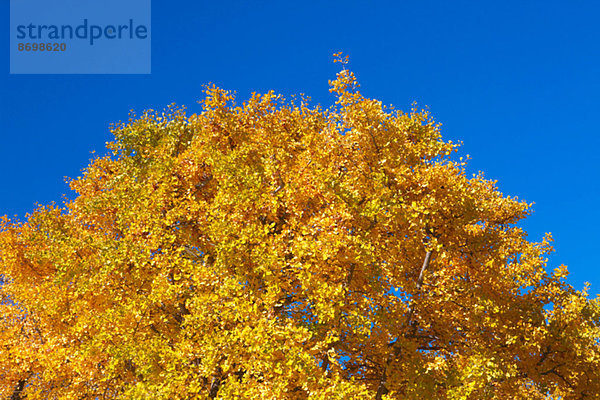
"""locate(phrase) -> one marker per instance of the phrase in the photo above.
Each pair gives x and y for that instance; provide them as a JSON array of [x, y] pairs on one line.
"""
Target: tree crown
[[278, 250]]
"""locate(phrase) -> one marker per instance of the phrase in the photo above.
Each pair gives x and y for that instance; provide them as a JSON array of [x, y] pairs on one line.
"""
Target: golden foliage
[[273, 250]]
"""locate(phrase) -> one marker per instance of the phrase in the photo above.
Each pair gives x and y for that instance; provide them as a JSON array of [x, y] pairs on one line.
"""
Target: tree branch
[[16, 395], [382, 388], [215, 384], [423, 268]]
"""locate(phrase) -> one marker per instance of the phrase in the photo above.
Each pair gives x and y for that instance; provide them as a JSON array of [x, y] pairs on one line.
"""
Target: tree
[[273, 250]]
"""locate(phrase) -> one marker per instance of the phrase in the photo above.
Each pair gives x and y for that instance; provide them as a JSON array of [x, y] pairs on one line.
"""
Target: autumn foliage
[[276, 250]]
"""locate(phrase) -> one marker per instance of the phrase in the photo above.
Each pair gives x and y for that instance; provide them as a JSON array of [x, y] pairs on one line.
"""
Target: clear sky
[[516, 81]]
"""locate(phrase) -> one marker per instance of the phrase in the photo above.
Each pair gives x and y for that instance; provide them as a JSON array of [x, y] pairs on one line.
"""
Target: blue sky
[[517, 82]]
